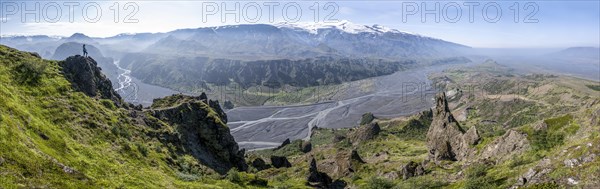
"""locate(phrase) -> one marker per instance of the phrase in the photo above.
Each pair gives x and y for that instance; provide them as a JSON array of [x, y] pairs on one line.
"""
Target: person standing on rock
[[85, 54]]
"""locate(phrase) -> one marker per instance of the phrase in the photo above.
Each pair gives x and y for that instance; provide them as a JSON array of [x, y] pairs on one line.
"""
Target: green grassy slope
[[52, 136]]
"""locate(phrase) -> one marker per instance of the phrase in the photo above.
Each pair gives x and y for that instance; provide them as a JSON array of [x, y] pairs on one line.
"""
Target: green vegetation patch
[[594, 87], [557, 129]]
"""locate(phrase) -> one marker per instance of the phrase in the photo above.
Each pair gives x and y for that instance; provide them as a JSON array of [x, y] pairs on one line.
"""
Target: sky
[[484, 24]]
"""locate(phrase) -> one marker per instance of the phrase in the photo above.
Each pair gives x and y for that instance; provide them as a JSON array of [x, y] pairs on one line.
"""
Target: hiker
[[84, 51]]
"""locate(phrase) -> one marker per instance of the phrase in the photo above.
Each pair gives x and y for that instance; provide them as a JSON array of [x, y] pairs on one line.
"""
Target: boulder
[[540, 126], [338, 184], [305, 146], [355, 157], [391, 175], [412, 169], [346, 163], [472, 136], [338, 137], [364, 132], [445, 136], [279, 162], [506, 146], [284, 143], [259, 164]]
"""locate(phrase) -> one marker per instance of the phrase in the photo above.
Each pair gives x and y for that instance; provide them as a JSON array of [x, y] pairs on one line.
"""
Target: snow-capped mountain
[[343, 25]]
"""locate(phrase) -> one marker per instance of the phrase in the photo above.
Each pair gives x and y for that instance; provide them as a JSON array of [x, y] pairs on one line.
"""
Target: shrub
[[555, 133], [414, 129], [121, 132], [187, 177], [233, 175], [425, 181], [379, 183], [108, 104], [477, 170], [142, 149], [477, 177], [543, 140], [29, 73]]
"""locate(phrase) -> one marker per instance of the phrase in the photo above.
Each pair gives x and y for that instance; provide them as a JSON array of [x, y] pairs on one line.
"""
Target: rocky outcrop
[[504, 147], [445, 136], [364, 132], [85, 76], [200, 132], [446, 139], [280, 161], [412, 169], [217, 108], [68, 49], [535, 175]]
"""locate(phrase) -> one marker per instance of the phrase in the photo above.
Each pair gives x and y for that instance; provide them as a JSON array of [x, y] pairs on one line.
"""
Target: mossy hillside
[[47, 124]]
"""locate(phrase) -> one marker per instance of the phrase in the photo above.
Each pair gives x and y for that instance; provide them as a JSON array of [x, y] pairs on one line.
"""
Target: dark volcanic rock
[[203, 97], [283, 144], [338, 137], [85, 76], [317, 179], [355, 157], [338, 184], [364, 132], [306, 146], [203, 135], [445, 136], [279, 161], [217, 108], [259, 164]]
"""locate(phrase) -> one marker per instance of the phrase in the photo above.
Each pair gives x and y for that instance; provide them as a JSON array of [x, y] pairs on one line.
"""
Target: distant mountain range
[[298, 54], [259, 41], [579, 52]]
